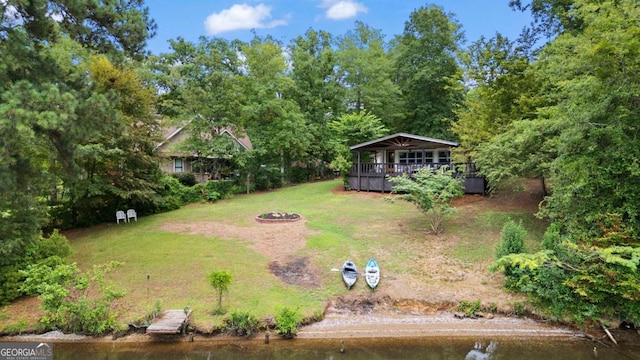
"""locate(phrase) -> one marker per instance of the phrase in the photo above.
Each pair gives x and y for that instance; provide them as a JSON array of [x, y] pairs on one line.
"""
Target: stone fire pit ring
[[276, 217]]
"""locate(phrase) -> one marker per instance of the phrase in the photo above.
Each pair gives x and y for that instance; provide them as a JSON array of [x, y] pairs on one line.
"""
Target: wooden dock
[[169, 322]]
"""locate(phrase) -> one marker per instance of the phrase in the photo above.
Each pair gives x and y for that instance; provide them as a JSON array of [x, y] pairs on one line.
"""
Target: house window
[[428, 157], [444, 157], [410, 157], [177, 165]]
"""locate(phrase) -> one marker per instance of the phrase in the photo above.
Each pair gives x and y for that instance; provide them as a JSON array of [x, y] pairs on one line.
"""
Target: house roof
[[171, 135], [403, 141]]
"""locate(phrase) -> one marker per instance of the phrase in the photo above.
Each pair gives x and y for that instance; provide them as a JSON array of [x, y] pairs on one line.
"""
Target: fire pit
[[278, 217]]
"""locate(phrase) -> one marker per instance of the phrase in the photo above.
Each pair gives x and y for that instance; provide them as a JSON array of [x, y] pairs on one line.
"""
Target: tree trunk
[[281, 167], [544, 186]]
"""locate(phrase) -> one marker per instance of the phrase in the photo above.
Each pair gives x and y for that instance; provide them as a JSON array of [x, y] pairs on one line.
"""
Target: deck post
[[359, 166]]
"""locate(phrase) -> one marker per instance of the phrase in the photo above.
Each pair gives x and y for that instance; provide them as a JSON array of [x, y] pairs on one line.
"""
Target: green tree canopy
[[428, 73], [366, 69], [48, 106]]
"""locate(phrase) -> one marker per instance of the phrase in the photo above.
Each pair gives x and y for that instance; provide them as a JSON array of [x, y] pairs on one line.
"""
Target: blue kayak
[[372, 273]]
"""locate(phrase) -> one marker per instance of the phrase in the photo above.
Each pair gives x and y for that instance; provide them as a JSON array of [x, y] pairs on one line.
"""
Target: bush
[[268, 177], [74, 301], [552, 238], [186, 179], [513, 236], [469, 308], [299, 174], [242, 323], [213, 190], [51, 251], [287, 321]]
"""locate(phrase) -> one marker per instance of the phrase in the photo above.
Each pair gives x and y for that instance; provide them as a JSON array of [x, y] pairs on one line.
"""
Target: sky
[[288, 19]]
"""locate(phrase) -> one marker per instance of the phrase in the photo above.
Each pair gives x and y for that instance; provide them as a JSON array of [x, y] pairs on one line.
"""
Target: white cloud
[[340, 10], [242, 17]]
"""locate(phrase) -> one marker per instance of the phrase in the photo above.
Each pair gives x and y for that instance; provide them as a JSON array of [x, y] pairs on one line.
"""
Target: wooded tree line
[[82, 108]]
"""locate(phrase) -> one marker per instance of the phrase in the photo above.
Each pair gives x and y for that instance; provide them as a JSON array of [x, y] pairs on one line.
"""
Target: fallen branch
[[609, 335]]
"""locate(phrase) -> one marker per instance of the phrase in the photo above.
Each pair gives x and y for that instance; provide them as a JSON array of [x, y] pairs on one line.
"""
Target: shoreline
[[336, 326]]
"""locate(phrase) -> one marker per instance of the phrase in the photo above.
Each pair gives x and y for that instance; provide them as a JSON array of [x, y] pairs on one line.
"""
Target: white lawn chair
[[131, 214], [120, 216]]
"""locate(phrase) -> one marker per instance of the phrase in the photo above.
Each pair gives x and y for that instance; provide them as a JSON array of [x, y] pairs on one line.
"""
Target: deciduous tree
[[428, 73]]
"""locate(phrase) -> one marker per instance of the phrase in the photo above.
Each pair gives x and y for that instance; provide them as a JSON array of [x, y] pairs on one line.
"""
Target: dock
[[169, 322]]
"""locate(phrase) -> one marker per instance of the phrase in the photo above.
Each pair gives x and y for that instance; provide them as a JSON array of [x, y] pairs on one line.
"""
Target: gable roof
[[403, 141], [174, 134]]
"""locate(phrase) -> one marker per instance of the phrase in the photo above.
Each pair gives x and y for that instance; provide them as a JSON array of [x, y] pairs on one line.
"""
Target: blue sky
[[287, 19]]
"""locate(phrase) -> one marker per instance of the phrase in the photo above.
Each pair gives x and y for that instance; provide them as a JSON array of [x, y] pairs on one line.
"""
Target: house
[[403, 153], [177, 160]]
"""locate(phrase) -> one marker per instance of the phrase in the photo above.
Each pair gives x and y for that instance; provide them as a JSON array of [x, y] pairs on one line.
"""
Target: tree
[[431, 191], [366, 70], [501, 91], [353, 129], [589, 146], [592, 82], [47, 104], [550, 17], [316, 89], [118, 164], [428, 73], [107, 27], [204, 95], [275, 123], [220, 281]]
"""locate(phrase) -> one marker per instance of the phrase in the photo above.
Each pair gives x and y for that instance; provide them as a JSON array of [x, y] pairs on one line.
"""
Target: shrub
[[552, 237], [51, 251], [287, 321], [268, 177], [186, 179], [213, 190], [513, 236], [431, 191], [299, 174], [56, 245], [74, 301], [469, 308], [242, 323]]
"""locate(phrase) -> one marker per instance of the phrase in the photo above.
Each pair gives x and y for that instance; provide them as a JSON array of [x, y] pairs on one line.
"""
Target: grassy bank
[[170, 267]]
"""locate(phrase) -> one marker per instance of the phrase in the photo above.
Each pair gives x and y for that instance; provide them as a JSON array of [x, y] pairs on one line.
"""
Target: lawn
[[167, 256]]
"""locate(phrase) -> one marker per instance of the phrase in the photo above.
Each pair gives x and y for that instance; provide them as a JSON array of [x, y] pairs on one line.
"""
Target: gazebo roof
[[403, 141]]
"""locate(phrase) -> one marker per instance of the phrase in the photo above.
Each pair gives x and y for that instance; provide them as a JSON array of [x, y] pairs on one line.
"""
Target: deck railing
[[381, 169], [374, 176]]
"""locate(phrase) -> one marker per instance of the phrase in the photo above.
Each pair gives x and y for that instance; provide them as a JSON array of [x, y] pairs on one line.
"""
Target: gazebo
[[403, 153]]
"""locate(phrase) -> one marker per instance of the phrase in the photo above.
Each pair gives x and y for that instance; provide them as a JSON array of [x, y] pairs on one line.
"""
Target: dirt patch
[[296, 272], [276, 241]]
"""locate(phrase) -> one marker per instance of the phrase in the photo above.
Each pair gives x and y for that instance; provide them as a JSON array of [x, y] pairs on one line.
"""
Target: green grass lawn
[[171, 268]]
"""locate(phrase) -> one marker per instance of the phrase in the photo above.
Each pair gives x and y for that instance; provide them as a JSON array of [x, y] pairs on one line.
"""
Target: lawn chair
[[131, 214], [120, 216]]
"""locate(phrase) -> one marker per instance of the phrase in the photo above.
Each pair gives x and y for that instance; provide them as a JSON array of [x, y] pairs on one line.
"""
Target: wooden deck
[[375, 176], [169, 322]]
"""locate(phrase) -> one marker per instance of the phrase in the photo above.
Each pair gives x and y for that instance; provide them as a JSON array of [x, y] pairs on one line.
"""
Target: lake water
[[380, 348]]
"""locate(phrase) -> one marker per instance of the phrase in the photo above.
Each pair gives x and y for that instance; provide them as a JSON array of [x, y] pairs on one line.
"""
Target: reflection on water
[[479, 352], [431, 348]]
